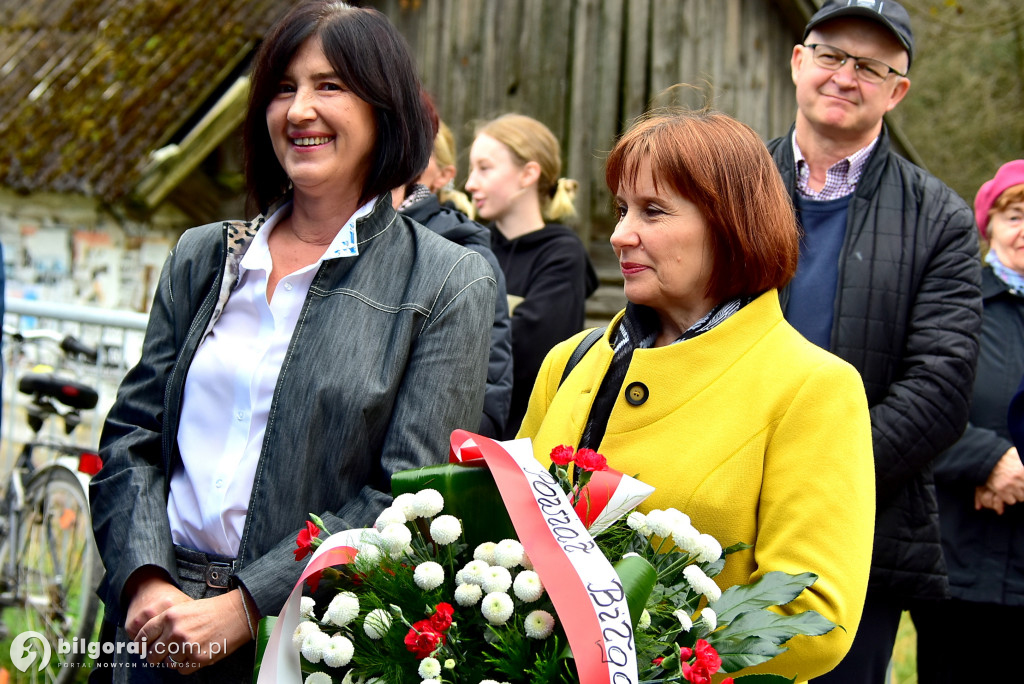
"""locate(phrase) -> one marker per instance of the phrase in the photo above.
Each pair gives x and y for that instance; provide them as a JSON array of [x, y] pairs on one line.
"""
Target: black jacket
[[907, 316], [985, 551], [550, 270], [454, 225]]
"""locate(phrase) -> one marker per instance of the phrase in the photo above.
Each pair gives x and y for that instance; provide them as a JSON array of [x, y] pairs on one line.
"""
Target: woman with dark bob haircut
[[703, 390], [292, 363]]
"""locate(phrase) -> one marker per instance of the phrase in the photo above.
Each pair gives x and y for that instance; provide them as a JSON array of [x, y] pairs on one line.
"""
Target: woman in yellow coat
[[701, 388]]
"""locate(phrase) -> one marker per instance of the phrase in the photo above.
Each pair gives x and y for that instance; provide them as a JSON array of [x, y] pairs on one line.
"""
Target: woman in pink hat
[[980, 480]]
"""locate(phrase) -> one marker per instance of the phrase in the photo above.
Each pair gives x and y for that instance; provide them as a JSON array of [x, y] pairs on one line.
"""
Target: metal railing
[[117, 336]]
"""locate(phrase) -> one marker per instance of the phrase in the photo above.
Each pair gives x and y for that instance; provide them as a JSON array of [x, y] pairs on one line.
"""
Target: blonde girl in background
[[515, 184]]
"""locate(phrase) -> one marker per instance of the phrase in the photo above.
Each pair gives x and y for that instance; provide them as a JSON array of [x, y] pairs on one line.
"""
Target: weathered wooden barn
[[586, 68], [119, 118]]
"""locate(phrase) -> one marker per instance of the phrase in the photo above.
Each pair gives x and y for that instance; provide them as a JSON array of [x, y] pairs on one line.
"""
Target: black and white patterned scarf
[[413, 194]]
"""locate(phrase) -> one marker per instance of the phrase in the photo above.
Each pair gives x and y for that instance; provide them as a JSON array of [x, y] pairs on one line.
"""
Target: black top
[[550, 271], [985, 551]]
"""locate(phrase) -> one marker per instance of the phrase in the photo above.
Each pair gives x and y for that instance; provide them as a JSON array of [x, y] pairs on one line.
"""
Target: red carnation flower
[[588, 459], [696, 674], [441, 620], [658, 661], [305, 541], [708, 656], [421, 640], [562, 455]]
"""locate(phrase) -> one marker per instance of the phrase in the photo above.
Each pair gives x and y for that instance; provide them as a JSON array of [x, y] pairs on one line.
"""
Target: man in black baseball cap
[[889, 14], [889, 280]]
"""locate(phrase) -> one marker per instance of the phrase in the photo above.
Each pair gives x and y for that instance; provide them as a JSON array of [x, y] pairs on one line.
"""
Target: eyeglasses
[[867, 69]]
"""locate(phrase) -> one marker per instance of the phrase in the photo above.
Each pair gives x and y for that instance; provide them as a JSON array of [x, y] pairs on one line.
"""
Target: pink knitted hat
[[1008, 175]]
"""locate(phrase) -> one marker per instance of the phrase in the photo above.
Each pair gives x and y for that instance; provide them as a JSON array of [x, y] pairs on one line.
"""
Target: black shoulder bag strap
[[580, 351]]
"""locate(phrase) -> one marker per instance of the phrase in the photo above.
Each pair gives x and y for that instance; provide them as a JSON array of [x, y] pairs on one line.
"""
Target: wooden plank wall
[[586, 68]]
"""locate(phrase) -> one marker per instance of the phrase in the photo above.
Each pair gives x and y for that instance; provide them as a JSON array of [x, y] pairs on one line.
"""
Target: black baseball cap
[[888, 13]]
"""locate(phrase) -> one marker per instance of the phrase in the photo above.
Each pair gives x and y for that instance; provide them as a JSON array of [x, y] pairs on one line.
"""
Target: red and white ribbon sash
[[281, 663], [607, 497], [587, 594]]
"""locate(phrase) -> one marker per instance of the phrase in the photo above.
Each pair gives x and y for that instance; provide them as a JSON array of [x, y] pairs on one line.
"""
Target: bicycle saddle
[[68, 392]]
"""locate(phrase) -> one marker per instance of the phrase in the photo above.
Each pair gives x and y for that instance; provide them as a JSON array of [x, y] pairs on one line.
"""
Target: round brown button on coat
[[637, 393]]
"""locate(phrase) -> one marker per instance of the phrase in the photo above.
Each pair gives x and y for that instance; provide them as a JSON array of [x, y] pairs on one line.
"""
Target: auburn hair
[[724, 168]]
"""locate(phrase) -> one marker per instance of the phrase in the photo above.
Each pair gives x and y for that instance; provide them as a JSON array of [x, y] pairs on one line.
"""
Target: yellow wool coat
[[755, 433]]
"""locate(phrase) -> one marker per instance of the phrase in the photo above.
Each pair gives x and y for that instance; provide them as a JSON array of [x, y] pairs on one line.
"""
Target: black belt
[[217, 571]]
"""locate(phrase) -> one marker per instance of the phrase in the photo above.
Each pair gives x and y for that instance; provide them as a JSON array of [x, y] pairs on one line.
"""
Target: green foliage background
[[964, 113]]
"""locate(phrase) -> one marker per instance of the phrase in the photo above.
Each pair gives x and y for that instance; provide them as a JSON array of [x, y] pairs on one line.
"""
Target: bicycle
[[49, 566]]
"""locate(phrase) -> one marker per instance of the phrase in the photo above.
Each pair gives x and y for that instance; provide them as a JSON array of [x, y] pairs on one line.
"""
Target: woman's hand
[[196, 633], [152, 593], [1005, 484]]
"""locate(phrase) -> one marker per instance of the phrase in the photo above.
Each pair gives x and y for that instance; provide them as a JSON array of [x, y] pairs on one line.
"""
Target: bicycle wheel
[[58, 568]]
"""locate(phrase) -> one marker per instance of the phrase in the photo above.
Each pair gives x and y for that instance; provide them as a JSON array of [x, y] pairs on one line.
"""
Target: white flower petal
[[395, 538], [708, 549], [344, 608], [686, 537], [407, 504], [497, 579], [474, 572], [508, 553], [497, 607], [314, 645], [306, 607], [428, 575], [637, 521], [389, 516], [430, 668], [485, 552], [539, 624], [428, 503], [701, 583], [659, 523], [302, 631], [445, 529], [377, 623], [318, 678], [468, 594], [338, 652], [527, 586]]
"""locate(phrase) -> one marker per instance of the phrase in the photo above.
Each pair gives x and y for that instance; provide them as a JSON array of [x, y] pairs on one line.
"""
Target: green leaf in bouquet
[[738, 546], [763, 679], [263, 631], [638, 578], [757, 636], [769, 625], [773, 589], [469, 494], [739, 653]]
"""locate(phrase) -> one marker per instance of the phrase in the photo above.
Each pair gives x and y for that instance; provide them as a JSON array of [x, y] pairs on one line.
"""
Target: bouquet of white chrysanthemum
[[499, 580]]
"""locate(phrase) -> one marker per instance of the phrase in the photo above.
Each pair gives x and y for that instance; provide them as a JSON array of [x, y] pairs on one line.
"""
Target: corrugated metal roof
[[88, 88]]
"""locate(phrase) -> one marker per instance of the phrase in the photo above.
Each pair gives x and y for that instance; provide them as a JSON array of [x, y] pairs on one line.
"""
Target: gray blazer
[[389, 355]]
